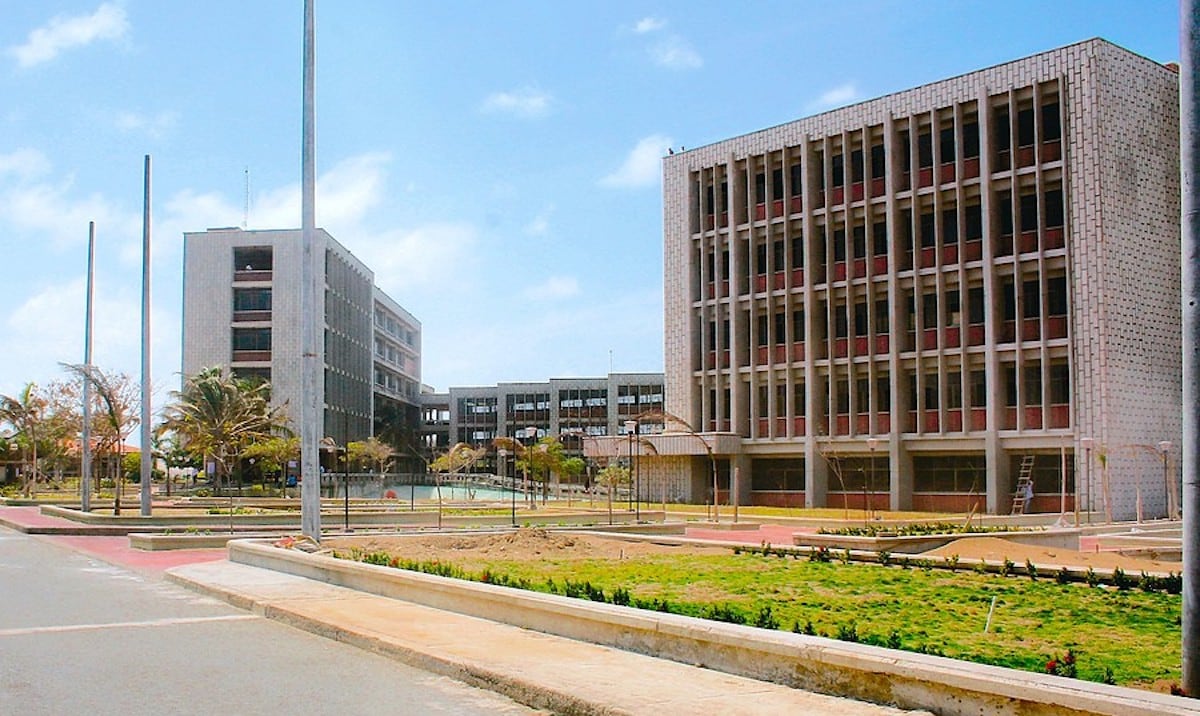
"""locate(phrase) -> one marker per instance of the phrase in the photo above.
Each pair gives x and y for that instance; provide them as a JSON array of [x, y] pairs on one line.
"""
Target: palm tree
[[215, 416], [24, 414]]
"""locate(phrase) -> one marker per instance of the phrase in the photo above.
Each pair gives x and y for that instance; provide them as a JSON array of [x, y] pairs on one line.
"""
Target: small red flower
[[1051, 666]]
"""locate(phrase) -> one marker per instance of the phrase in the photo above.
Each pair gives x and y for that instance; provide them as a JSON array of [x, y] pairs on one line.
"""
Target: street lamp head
[[1086, 443], [872, 443], [631, 426], [1164, 445], [531, 432]]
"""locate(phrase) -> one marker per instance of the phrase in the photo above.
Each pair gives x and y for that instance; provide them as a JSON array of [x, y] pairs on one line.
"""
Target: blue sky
[[496, 163]]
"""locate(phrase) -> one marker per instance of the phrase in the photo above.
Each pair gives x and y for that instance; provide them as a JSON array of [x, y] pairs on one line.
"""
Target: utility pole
[[1189, 163], [311, 359], [85, 468], [147, 464]]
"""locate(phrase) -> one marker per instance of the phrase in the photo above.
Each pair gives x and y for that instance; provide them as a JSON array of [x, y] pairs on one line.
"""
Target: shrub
[[1091, 577], [1120, 580], [1031, 569], [1062, 667], [848, 632], [818, 554], [765, 619], [884, 557], [1062, 576]]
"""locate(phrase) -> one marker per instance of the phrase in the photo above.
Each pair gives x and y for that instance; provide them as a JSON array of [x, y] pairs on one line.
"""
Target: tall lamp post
[[502, 456], [631, 430], [1086, 444], [531, 436], [1164, 449], [872, 443]]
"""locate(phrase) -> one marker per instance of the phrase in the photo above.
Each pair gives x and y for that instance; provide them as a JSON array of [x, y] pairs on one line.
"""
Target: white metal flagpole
[[311, 413], [85, 468], [147, 464]]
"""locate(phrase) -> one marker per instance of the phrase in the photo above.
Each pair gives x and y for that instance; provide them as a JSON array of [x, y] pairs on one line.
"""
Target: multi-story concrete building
[[911, 301], [241, 309], [572, 409]]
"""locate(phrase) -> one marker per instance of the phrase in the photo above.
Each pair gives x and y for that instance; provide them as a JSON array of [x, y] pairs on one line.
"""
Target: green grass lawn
[[1134, 634]]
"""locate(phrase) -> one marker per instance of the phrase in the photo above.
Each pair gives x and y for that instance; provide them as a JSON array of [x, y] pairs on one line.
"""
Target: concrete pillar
[[900, 463], [739, 465], [816, 478], [999, 475]]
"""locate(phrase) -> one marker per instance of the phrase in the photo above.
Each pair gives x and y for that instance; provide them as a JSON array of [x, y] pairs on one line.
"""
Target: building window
[[1002, 131], [970, 140], [1060, 384], [881, 317], [760, 259], [954, 390], [928, 237], [842, 397], [1029, 212], [1032, 376], [929, 310], [762, 331], [777, 248], [252, 339], [1025, 127], [1031, 299], [953, 310], [1051, 122], [978, 389], [839, 321], [1008, 374], [1054, 208], [859, 234], [975, 306], [931, 391], [780, 323], [949, 227], [763, 392], [879, 238], [856, 166], [878, 161], [252, 258], [839, 244], [798, 326], [760, 188], [883, 394], [798, 252], [838, 168], [946, 145], [797, 184], [1008, 299], [252, 299], [973, 216], [925, 149], [1056, 296], [860, 318]]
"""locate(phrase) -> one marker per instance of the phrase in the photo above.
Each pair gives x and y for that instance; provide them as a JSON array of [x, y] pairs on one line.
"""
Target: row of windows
[[766, 178]]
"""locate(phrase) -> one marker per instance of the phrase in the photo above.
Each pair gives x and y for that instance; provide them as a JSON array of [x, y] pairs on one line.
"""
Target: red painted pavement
[[114, 550]]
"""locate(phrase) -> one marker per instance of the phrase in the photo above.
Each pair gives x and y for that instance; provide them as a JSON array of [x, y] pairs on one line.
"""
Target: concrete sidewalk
[[550, 672]]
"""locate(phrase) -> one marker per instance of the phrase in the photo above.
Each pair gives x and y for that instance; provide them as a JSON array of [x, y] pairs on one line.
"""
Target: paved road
[[80, 636]]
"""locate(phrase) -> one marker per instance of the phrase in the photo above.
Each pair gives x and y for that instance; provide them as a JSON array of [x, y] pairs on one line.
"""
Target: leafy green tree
[[372, 451], [24, 415], [273, 454], [610, 478], [217, 416], [118, 399]]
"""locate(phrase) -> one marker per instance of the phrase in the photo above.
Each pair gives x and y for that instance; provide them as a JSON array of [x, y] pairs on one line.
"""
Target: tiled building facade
[[896, 302], [241, 310]]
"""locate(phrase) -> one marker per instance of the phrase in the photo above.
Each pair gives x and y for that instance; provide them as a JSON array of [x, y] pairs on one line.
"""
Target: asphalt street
[[80, 636]]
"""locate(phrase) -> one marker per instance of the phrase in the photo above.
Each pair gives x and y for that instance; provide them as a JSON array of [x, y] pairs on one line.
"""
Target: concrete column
[[900, 465], [816, 477], [999, 475], [739, 465]]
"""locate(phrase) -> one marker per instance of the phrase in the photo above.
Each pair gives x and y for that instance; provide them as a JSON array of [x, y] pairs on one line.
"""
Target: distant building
[[917, 300], [241, 309], [575, 410]]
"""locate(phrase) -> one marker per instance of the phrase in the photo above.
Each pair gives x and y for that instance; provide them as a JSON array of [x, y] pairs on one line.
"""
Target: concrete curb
[[873, 674]]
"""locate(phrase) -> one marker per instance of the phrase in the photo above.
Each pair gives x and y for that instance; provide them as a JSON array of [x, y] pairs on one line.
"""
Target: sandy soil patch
[[996, 549], [524, 544]]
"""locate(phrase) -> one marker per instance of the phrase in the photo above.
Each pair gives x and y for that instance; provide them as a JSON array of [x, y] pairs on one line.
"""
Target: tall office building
[[241, 310], [918, 300]]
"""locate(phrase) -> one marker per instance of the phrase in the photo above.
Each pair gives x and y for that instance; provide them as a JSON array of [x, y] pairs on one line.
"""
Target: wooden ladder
[[1024, 480]]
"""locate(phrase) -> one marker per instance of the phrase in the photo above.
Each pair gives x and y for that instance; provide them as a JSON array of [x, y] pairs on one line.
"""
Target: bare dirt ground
[[996, 549], [524, 544], [534, 544]]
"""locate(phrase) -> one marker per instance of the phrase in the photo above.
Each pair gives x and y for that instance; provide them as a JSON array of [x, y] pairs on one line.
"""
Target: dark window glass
[[252, 258], [842, 396], [905, 151], [1004, 213], [881, 317], [946, 145], [928, 239], [798, 326], [931, 391], [797, 252], [953, 390], [761, 325], [860, 241], [1029, 212], [708, 199], [970, 140], [776, 184], [1025, 127], [252, 339], [953, 309], [839, 321], [760, 188], [760, 259], [1008, 300], [1054, 208], [883, 394], [1030, 299], [860, 319], [797, 184], [1009, 375], [1056, 296], [879, 238], [724, 196], [878, 161], [839, 244], [819, 162], [780, 325], [1032, 376], [251, 299], [975, 312], [978, 389], [925, 149], [929, 310], [856, 166], [1051, 122], [1060, 384], [973, 216], [839, 170], [949, 227], [777, 255], [1001, 130]]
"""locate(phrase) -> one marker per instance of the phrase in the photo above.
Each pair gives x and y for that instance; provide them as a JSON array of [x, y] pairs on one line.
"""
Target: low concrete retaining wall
[[944, 686], [1061, 538]]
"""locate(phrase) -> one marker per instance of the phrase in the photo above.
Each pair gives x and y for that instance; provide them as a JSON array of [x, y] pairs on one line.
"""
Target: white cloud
[[50, 213], [45, 43], [526, 103], [155, 126], [649, 24], [674, 53], [643, 166], [553, 289], [837, 97], [540, 224], [24, 163], [435, 255]]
